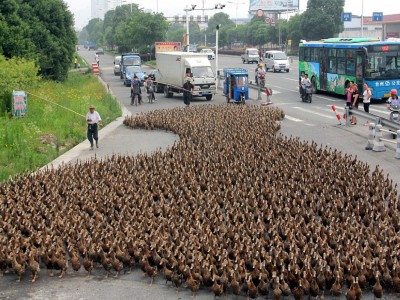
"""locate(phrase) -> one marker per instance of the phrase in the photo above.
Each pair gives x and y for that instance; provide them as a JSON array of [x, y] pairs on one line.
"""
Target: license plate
[[386, 95]]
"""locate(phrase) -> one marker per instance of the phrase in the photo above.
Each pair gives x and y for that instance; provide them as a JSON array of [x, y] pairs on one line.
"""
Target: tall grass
[[49, 130]]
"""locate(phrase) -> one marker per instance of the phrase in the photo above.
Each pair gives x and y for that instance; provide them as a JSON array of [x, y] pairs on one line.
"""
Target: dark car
[[129, 73], [100, 51]]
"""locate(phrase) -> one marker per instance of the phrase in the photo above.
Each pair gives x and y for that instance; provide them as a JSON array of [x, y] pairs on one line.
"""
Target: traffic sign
[[377, 16], [346, 17], [259, 13]]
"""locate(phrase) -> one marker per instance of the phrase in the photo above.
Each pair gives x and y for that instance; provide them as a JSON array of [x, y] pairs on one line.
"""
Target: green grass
[[48, 130]]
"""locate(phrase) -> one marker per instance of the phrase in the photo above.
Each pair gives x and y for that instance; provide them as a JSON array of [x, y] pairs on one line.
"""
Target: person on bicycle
[[260, 73], [393, 99], [149, 85], [135, 90]]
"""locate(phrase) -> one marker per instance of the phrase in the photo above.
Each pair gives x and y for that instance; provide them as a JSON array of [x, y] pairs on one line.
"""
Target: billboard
[[167, 46], [274, 5], [20, 103]]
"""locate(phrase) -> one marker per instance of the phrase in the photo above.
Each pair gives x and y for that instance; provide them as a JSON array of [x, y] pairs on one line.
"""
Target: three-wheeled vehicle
[[236, 85]]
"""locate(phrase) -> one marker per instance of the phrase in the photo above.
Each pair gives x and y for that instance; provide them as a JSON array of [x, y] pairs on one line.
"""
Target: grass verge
[[54, 123]]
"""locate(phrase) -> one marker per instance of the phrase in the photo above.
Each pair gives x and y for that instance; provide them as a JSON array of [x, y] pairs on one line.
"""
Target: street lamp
[[187, 9], [193, 7], [216, 52], [237, 3]]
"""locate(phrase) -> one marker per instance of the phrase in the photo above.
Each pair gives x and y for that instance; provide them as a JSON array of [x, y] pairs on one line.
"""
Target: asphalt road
[[313, 121]]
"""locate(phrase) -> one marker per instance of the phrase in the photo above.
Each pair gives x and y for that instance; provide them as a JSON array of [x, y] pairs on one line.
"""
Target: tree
[[322, 19], [293, 29], [40, 30], [56, 43], [316, 25]]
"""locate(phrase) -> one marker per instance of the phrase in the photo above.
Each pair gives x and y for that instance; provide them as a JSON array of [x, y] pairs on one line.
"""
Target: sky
[[170, 8]]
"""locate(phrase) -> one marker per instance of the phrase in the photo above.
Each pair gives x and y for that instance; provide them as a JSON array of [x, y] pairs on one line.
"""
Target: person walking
[[76, 62], [136, 90], [187, 91], [97, 59], [93, 120], [355, 94], [366, 100]]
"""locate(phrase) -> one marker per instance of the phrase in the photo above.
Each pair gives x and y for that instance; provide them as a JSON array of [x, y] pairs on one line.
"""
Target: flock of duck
[[233, 207]]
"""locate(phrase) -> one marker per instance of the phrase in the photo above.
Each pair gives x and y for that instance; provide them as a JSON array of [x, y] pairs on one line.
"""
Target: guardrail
[[376, 141], [373, 118]]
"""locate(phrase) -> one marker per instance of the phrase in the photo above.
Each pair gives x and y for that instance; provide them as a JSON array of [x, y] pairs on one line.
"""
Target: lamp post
[[187, 9], [237, 3], [193, 7], [362, 18], [216, 53]]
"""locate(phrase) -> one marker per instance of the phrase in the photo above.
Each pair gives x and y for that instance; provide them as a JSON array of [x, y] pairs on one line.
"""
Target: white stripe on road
[[292, 119], [315, 113]]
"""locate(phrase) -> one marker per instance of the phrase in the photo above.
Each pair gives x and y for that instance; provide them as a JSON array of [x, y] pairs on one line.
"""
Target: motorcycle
[[306, 96]]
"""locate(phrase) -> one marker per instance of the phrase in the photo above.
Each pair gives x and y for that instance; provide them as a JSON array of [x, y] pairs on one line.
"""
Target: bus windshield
[[382, 65]]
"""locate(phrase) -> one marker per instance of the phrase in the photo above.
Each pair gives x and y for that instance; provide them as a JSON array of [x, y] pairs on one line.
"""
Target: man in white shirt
[[93, 119]]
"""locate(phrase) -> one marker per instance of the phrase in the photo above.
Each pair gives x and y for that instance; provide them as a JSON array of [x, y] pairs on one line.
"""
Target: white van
[[117, 67], [276, 61]]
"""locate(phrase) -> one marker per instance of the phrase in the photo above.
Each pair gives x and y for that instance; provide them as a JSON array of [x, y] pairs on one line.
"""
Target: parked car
[[117, 67], [209, 53], [100, 51], [130, 71]]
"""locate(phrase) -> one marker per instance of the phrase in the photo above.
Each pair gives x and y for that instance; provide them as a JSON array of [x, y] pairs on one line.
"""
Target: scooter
[[306, 96], [394, 113], [261, 80]]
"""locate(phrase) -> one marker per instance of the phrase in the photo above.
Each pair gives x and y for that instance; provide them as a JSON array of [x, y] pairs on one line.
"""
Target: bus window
[[351, 67], [332, 53], [314, 54], [332, 65], [341, 63], [341, 53], [307, 54]]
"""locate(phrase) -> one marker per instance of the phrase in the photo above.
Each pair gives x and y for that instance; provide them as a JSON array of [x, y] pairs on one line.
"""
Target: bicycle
[[134, 99]]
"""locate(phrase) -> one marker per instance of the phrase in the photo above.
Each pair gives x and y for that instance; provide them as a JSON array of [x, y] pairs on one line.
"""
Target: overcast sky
[[81, 8]]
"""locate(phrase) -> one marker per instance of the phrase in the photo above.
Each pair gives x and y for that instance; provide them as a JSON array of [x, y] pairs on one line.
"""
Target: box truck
[[172, 68]]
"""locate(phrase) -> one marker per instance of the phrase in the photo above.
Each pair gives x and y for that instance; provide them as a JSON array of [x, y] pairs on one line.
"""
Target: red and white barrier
[[95, 69], [337, 114]]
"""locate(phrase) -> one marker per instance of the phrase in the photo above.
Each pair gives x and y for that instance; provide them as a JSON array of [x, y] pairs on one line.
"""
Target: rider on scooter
[[303, 83], [393, 100], [260, 73]]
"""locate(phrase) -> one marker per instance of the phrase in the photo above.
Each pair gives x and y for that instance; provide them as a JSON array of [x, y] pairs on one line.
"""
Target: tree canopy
[[41, 30]]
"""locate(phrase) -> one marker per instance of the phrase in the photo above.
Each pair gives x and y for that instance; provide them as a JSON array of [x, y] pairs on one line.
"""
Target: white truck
[[172, 68]]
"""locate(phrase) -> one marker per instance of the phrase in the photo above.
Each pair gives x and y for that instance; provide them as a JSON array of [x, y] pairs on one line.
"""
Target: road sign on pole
[[346, 17], [377, 16]]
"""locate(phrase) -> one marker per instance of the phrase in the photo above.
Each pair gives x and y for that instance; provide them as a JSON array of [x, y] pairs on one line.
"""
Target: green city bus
[[332, 63]]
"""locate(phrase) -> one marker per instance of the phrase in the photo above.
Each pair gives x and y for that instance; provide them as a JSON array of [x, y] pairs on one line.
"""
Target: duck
[[377, 288], [34, 266]]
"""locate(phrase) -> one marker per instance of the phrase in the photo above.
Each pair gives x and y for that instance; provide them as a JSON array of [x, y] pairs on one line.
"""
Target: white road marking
[[315, 113], [292, 118]]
